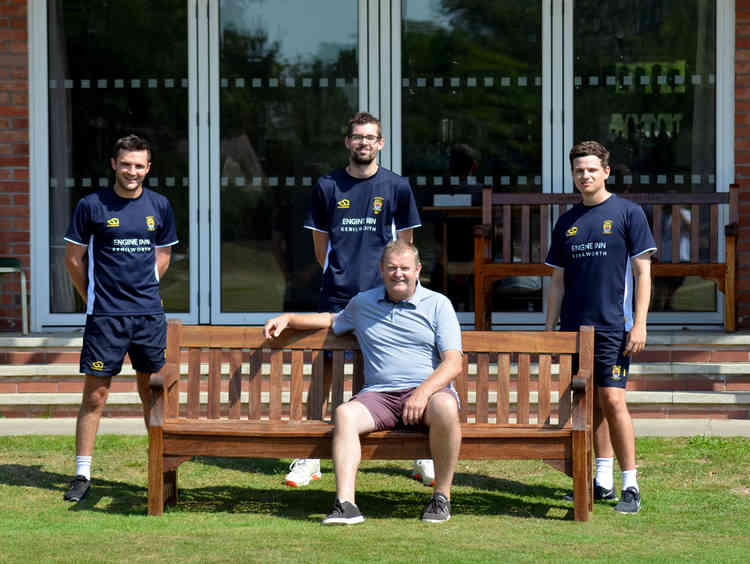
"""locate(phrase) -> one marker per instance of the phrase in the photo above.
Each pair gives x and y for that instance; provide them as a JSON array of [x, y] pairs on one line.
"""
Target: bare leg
[[441, 416], [612, 403], [352, 419], [602, 441], [95, 394], [144, 391]]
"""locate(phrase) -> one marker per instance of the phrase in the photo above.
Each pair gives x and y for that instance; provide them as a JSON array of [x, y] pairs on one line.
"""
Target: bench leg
[[582, 493], [155, 471], [170, 487]]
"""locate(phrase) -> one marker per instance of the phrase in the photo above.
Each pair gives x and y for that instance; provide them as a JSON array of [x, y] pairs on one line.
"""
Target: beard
[[356, 158]]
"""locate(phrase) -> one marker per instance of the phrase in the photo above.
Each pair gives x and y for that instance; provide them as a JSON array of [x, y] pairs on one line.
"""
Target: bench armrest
[[583, 400], [160, 384]]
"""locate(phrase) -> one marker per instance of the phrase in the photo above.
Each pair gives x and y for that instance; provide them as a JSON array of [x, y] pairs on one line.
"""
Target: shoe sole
[[76, 499], [436, 520], [418, 477], [343, 520], [627, 512], [569, 497], [293, 484]]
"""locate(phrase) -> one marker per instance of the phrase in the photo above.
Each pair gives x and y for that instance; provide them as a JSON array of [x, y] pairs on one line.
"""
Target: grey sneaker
[[438, 510], [600, 494], [343, 513], [630, 503], [79, 487]]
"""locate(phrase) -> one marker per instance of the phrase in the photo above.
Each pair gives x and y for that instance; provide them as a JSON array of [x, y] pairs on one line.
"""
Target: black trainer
[[631, 502], [600, 494], [343, 513], [79, 487], [438, 510]]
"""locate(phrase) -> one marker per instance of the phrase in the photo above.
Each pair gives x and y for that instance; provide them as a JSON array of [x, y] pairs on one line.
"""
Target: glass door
[[284, 82]]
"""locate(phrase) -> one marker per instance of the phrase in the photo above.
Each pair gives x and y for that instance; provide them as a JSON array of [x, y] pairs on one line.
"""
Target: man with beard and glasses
[[355, 212]]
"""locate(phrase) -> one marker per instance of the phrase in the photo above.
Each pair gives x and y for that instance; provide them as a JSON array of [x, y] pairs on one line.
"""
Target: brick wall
[[742, 157], [14, 155]]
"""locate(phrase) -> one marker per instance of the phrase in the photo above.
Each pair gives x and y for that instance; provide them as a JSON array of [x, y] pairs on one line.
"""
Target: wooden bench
[[243, 396], [515, 235]]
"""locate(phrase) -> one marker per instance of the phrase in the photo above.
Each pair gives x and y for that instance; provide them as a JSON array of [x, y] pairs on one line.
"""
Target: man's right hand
[[275, 326]]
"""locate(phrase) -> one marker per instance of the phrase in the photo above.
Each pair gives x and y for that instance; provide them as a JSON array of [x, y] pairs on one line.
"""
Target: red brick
[[652, 356], [730, 356], [70, 387], [37, 387], [690, 356], [119, 386], [8, 388]]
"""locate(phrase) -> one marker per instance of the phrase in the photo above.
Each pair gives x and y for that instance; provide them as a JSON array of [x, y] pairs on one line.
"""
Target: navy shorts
[[107, 338], [386, 407], [610, 365]]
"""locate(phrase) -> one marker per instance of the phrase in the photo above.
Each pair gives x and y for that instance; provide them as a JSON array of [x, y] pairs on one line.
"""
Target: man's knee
[[612, 400], [94, 397], [442, 411]]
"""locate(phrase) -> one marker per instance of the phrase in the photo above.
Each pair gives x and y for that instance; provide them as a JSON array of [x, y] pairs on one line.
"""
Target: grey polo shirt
[[401, 342]]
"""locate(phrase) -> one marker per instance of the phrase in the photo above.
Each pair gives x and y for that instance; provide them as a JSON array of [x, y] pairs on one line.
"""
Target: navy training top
[[360, 215], [594, 244], [121, 235]]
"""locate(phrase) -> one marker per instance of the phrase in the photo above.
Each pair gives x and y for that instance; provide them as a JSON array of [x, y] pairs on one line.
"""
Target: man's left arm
[[642, 271], [448, 370], [163, 256]]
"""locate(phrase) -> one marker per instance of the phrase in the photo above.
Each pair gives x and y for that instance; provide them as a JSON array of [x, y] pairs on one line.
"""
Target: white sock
[[83, 466], [629, 479], [604, 476]]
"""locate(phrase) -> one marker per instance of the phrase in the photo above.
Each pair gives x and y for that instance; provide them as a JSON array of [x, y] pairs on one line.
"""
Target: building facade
[[246, 103]]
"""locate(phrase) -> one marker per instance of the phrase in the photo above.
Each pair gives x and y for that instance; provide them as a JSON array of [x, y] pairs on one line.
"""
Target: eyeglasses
[[369, 138]]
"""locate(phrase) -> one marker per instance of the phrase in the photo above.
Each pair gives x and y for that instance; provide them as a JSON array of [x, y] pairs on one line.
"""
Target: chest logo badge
[[113, 222], [343, 204], [150, 223], [377, 205], [572, 231], [607, 227]]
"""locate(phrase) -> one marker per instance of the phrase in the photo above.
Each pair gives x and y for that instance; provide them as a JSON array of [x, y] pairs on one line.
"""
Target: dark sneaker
[[438, 510], [343, 513], [600, 494], [630, 503], [79, 487]]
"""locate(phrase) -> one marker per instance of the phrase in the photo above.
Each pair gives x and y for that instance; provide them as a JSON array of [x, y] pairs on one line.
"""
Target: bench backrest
[[520, 224], [517, 377]]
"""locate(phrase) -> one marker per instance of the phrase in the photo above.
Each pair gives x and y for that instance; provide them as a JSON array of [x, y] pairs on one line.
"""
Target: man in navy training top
[[118, 246], [355, 211], [411, 345], [597, 247]]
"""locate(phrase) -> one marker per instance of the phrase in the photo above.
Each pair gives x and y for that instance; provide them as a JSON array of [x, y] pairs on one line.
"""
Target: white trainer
[[424, 469], [302, 471]]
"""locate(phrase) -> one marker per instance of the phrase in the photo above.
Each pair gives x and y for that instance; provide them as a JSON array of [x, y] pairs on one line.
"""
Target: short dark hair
[[590, 148], [363, 118], [131, 143], [399, 246]]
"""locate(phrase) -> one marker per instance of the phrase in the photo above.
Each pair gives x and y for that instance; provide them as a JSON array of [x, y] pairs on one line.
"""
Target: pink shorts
[[386, 407]]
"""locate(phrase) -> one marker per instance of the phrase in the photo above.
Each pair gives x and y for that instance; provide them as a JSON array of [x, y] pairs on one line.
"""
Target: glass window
[[645, 86], [472, 116], [288, 87], [115, 68]]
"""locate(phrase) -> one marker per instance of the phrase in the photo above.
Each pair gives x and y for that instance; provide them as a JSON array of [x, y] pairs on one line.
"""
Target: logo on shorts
[[607, 227], [343, 204], [113, 222], [616, 372], [572, 231], [377, 205], [97, 365], [150, 223]]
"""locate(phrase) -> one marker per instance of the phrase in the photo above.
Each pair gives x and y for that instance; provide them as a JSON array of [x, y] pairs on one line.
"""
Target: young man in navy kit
[[118, 246], [355, 212], [598, 247]]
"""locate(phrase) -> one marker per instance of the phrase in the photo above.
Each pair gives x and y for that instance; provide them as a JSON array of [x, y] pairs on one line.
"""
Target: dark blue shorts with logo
[[611, 367], [107, 338]]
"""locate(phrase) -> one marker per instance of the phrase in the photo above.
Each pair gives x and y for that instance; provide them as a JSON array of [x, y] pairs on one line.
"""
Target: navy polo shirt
[[594, 244], [360, 215], [121, 235]]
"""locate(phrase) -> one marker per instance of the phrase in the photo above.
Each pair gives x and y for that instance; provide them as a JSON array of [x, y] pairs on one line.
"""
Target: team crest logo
[[150, 223], [616, 372], [97, 365], [377, 205], [572, 231], [113, 222], [343, 204], [607, 227]]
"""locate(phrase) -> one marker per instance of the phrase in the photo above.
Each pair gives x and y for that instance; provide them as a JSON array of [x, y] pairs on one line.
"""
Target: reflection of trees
[[484, 39]]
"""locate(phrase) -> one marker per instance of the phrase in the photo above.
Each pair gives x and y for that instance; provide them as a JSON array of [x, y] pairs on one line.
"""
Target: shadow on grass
[[126, 499]]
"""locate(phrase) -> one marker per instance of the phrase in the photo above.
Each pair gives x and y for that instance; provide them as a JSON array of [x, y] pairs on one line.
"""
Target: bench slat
[[254, 359], [274, 405], [676, 233], [214, 383], [235, 383], [482, 387], [525, 234], [461, 386], [545, 389], [337, 386], [564, 401], [317, 394], [503, 388], [695, 234], [194, 383], [296, 385], [522, 388]]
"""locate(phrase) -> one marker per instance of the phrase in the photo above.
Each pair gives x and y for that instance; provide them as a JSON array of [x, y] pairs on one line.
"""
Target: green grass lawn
[[696, 507]]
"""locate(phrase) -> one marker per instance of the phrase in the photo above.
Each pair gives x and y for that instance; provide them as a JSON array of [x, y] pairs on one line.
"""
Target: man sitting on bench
[[411, 344]]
